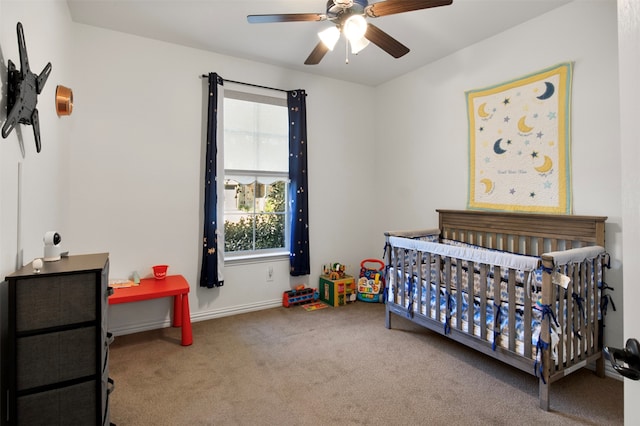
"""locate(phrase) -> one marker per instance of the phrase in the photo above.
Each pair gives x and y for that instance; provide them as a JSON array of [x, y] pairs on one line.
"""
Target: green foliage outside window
[[269, 226]]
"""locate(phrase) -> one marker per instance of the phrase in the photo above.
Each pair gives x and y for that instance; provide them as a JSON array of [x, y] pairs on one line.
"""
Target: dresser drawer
[[55, 357], [57, 301], [71, 405]]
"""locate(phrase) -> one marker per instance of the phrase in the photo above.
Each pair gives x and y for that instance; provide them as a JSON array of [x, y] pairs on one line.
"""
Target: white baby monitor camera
[[52, 246]]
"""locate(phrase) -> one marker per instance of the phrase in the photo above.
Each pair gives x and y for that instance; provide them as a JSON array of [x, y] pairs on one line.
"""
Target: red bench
[[151, 288]]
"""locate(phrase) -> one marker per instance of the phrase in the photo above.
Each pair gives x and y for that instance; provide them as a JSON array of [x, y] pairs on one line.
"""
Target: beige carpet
[[287, 366]]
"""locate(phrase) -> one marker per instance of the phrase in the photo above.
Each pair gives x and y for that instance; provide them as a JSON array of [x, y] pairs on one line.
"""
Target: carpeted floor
[[288, 366]]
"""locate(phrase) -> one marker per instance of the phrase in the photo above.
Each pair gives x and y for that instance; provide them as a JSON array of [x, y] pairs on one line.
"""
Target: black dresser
[[56, 346]]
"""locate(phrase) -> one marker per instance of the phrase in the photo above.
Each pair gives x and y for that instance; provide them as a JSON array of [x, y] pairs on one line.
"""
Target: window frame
[[250, 256]]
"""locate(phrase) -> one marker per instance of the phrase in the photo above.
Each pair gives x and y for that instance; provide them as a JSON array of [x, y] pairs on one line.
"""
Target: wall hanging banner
[[519, 144]]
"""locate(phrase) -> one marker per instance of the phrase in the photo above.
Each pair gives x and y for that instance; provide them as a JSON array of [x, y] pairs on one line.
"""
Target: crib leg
[[600, 366], [543, 393], [387, 317]]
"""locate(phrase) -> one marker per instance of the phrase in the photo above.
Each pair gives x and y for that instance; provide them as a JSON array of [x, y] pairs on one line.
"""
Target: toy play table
[[151, 288]]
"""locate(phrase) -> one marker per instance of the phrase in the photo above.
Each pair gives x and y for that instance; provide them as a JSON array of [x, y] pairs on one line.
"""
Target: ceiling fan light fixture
[[343, 3], [329, 37], [355, 27], [358, 45]]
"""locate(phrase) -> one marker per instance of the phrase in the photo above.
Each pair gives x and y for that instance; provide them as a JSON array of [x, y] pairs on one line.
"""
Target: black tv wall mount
[[23, 88]]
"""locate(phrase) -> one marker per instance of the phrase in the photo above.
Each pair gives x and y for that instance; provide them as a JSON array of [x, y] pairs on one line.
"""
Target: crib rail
[[528, 234]]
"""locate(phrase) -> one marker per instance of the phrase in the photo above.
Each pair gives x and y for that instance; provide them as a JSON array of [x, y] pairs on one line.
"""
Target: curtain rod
[[248, 84]]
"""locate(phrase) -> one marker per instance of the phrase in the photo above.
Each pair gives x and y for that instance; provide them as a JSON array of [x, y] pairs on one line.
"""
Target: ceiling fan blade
[[385, 42], [391, 7], [286, 17], [317, 54]]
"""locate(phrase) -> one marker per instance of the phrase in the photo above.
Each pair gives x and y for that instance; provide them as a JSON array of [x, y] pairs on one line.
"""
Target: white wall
[[425, 122], [629, 40], [44, 175], [135, 169]]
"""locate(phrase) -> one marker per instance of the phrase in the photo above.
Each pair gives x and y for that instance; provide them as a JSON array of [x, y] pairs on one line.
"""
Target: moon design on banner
[[481, 111], [549, 91], [488, 185], [546, 166], [522, 126], [497, 149]]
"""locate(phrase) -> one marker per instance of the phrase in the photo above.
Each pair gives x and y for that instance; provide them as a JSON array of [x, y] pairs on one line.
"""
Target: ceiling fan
[[349, 18]]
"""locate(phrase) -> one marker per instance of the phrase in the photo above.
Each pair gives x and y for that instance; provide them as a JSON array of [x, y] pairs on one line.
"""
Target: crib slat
[[576, 313], [483, 299], [582, 318], [555, 295], [471, 306], [419, 281], [503, 242], [512, 310], [430, 262], [436, 307], [540, 246], [459, 295], [589, 302], [497, 304], [577, 318], [595, 290], [393, 258], [547, 299], [403, 277], [565, 329], [527, 315], [491, 240], [447, 289]]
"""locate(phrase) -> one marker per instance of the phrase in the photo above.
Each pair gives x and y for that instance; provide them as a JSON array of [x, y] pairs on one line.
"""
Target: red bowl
[[160, 271]]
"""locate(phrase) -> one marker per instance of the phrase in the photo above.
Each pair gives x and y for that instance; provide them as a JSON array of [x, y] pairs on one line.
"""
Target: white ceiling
[[221, 26]]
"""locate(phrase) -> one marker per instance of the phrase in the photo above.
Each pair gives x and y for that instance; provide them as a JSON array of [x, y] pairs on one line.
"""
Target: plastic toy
[[371, 283], [298, 296]]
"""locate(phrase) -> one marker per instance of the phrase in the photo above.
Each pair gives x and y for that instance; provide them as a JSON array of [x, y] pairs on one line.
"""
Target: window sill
[[256, 258]]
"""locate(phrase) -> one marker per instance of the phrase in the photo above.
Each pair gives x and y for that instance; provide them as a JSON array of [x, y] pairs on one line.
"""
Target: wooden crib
[[482, 278]]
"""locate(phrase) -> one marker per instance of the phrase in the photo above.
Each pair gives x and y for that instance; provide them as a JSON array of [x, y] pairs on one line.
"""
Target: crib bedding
[[446, 313], [434, 257], [524, 289]]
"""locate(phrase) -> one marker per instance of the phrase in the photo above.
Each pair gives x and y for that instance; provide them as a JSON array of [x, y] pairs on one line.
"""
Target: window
[[256, 158]]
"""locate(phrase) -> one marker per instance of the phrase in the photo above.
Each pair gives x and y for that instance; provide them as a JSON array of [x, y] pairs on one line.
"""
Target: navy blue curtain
[[298, 189], [210, 273]]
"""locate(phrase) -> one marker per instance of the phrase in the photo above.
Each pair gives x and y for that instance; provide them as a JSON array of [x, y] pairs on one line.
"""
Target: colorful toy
[[371, 283], [335, 271], [298, 296]]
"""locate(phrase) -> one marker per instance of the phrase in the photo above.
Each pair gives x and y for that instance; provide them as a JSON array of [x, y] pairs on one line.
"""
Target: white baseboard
[[235, 310], [200, 316]]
